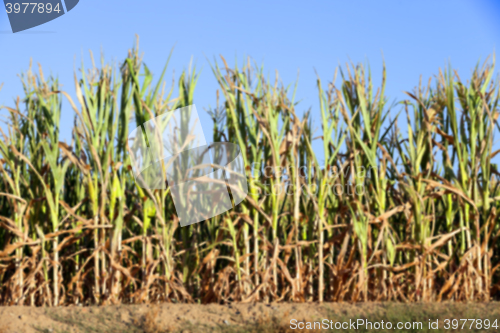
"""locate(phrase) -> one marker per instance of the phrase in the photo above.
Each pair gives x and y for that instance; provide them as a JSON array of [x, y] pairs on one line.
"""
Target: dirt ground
[[237, 317]]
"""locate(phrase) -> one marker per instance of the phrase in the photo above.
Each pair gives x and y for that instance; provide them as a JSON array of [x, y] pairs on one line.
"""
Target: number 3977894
[[31, 7]]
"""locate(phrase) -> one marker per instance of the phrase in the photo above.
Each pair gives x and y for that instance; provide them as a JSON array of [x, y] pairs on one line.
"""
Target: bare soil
[[257, 317]]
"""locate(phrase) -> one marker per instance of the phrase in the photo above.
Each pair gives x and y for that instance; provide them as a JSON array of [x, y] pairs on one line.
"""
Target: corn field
[[400, 204]]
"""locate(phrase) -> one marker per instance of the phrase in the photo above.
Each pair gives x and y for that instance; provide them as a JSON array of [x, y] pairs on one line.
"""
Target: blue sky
[[416, 38]]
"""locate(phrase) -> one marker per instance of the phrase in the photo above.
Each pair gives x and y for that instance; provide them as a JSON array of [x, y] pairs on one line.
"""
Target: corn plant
[[400, 203]]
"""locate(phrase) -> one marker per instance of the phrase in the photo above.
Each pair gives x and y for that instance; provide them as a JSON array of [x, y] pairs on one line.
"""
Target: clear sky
[[416, 37]]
